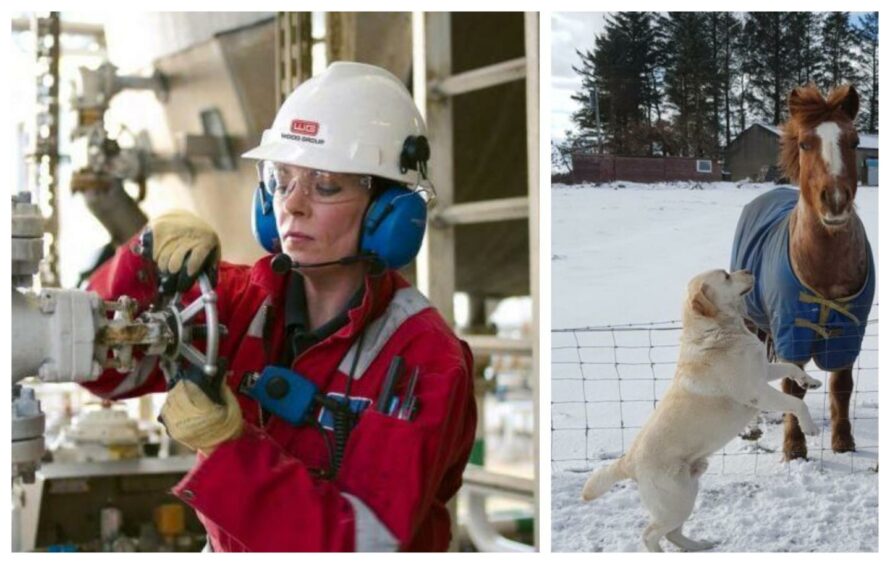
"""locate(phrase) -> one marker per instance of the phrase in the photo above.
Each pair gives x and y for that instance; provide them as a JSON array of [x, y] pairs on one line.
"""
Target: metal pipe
[[96, 31], [116, 210], [483, 533], [29, 339]]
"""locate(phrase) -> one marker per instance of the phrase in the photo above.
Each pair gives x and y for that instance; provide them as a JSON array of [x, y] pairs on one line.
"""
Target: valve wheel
[[179, 318]]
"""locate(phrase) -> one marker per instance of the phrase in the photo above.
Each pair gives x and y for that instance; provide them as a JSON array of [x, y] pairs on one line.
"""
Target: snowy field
[[622, 254]]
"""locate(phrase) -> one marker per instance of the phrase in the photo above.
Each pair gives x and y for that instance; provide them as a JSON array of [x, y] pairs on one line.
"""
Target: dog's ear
[[702, 304]]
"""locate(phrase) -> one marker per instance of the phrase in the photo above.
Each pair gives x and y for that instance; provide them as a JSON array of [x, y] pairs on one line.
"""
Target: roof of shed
[[866, 140]]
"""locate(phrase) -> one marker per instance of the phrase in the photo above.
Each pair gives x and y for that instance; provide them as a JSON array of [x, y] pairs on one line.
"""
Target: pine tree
[[804, 30], [741, 92], [729, 49], [769, 64], [584, 118], [622, 68], [868, 85], [715, 77], [839, 61], [689, 64]]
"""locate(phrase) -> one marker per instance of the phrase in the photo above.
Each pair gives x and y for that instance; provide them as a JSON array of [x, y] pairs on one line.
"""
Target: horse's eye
[[804, 146]]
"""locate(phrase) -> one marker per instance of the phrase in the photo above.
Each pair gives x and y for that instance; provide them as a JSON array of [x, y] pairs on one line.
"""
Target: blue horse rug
[[802, 323]]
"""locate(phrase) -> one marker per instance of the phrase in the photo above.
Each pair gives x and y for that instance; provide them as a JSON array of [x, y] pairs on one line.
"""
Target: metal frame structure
[[45, 155], [293, 53], [434, 87]]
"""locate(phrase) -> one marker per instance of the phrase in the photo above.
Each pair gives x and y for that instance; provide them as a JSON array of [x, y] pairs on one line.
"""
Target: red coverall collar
[[379, 290]]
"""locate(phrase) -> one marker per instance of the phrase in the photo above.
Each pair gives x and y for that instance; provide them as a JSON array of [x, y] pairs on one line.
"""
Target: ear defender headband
[[393, 226]]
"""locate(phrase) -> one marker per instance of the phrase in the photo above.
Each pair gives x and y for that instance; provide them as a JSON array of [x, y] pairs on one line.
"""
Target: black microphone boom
[[281, 262]]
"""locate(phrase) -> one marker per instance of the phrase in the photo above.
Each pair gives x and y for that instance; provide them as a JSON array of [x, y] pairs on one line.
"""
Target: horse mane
[[808, 109]]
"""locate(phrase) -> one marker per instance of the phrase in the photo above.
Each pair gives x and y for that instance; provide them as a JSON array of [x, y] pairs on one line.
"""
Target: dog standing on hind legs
[[721, 382], [810, 255]]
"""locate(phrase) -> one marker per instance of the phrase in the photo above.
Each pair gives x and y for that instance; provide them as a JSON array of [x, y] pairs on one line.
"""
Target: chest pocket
[[405, 303]]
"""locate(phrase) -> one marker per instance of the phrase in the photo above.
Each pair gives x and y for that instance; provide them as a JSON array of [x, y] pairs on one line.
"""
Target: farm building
[[754, 152], [607, 168]]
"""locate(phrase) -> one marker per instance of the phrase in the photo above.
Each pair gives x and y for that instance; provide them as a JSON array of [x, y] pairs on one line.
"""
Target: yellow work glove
[[181, 239], [194, 420]]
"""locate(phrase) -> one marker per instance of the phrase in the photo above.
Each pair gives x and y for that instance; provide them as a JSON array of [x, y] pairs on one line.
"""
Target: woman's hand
[[183, 245], [196, 421]]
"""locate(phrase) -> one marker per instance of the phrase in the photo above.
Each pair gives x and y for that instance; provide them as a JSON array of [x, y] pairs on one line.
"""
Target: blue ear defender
[[394, 227], [262, 220]]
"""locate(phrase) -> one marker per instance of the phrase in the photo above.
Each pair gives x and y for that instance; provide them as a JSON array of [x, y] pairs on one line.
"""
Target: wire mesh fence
[[607, 380]]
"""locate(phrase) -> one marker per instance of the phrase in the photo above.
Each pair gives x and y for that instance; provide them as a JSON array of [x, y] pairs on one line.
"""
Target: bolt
[[47, 303]]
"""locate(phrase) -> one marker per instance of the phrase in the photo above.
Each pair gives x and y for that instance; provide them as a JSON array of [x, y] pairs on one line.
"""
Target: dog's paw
[[751, 432], [808, 427], [808, 383]]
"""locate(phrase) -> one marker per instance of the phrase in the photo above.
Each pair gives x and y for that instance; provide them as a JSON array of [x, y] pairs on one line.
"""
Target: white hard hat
[[351, 118]]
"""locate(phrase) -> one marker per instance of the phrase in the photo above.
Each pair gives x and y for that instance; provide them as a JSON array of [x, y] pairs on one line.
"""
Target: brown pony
[[827, 241]]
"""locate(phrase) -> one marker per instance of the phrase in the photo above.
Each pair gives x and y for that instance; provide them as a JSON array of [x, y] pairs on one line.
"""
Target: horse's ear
[[850, 102], [797, 101]]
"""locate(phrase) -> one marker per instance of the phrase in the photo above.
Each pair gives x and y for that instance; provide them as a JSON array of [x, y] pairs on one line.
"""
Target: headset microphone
[[281, 262]]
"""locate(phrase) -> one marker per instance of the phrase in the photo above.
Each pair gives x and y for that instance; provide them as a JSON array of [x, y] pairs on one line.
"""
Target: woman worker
[[338, 200]]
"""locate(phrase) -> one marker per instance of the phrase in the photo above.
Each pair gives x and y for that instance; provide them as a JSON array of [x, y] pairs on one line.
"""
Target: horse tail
[[603, 479]]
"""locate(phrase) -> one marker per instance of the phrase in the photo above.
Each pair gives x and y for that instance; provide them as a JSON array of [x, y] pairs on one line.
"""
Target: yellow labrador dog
[[721, 382]]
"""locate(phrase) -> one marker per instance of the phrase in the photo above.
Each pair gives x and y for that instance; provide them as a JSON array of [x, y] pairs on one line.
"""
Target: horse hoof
[[795, 452], [843, 444]]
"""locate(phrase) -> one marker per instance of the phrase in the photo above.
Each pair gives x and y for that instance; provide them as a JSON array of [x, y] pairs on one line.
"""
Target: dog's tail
[[603, 479]]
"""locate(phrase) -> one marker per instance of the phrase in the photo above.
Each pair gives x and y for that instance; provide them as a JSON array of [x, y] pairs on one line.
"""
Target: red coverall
[[259, 492]]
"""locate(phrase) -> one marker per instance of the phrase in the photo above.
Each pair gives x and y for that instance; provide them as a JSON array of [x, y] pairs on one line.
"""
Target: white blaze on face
[[830, 134]]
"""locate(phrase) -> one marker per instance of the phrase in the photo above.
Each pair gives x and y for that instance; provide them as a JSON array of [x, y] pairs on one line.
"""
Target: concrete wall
[[234, 73], [136, 39]]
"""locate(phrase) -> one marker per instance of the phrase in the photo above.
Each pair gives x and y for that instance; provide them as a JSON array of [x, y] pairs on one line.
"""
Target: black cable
[[343, 418], [327, 440]]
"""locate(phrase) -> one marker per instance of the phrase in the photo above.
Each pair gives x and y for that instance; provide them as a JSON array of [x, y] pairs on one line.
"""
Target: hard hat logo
[[302, 127]]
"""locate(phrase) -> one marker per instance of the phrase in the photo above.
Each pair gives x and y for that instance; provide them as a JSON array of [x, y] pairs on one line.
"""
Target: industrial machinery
[[108, 164], [61, 335]]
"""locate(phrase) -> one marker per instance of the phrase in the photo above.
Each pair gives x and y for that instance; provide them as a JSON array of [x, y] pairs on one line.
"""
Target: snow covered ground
[[623, 253], [806, 510]]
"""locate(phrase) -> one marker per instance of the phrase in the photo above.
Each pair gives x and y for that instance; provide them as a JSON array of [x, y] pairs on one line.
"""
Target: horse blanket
[[802, 323]]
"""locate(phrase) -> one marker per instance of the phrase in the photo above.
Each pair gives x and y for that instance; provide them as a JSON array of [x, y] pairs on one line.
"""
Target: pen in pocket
[[409, 400]]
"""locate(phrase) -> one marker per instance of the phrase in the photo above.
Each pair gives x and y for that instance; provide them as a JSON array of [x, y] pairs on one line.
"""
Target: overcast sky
[[569, 31]]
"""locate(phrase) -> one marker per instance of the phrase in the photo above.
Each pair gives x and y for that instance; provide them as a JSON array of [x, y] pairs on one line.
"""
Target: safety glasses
[[280, 181]]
